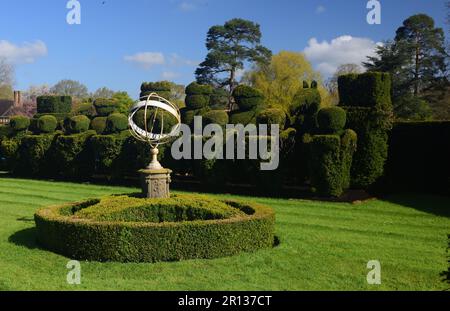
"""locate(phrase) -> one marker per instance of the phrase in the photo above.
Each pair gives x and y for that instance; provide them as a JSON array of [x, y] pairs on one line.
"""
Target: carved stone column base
[[155, 183]]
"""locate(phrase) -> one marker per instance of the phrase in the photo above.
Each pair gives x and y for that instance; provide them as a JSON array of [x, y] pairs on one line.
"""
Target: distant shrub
[[116, 123], [98, 124], [47, 124], [219, 99], [107, 151], [331, 120], [162, 88], [19, 123], [196, 101], [35, 154], [198, 89], [243, 117], [54, 104], [86, 109]]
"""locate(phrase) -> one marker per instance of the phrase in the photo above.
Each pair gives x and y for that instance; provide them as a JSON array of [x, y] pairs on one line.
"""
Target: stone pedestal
[[155, 182]]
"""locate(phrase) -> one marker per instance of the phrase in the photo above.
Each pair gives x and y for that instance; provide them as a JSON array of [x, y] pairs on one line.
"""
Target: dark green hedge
[[187, 115], [162, 88], [198, 89], [47, 124], [331, 120], [54, 104], [372, 127], [248, 98], [219, 117], [87, 239], [105, 106], [107, 152], [244, 117], [58, 116], [272, 116], [371, 89], [116, 123], [19, 123], [330, 162], [35, 155], [196, 101], [72, 156], [77, 124], [418, 158], [98, 124], [87, 109]]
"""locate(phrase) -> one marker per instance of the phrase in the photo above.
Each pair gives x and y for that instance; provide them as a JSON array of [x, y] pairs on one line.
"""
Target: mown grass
[[324, 246]]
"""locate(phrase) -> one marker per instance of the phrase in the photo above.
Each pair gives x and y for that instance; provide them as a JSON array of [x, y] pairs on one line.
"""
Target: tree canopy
[[230, 47]]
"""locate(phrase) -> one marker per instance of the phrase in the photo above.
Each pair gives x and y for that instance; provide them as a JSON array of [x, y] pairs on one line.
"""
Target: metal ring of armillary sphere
[[161, 105]]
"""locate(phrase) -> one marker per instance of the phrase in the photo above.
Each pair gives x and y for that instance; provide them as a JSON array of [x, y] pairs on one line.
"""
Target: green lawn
[[324, 246]]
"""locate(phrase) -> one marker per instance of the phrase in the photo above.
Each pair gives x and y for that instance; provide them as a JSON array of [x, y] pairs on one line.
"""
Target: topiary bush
[[330, 162], [272, 116], [72, 155], [219, 117], [77, 124], [371, 89], [107, 151], [54, 104], [47, 124], [197, 96], [34, 155], [244, 117], [331, 120], [58, 116], [116, 123], [87, 109], [187, 115], [98, 124], [162, 88], [105, 106], [130, 229], [19, 123], [219, 99], [248, 98]]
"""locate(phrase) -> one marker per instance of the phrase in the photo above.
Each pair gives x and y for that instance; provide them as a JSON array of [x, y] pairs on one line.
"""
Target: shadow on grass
[[432, 204], [25, 237]]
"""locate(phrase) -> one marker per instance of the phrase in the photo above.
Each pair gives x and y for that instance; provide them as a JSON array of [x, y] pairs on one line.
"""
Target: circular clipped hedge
[[116, 123], [47, 124], [198, 89], [77, 124], [98, 124], [196, 101], [105, 106], [331, 119], [19, 123], [132, 229], [248, 98]]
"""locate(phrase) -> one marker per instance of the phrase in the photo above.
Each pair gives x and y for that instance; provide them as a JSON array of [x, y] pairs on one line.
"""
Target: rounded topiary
[[77, 124], [306, 101], [98, 125], [196, 101], [248, 98], [198, 89], [272, 116], [133, 229], [187, 115], [86, 109], [116, 123], [19, 123], [105, 106], [219, 117], [331, 119], [162, 88], [219, 99], [47, 124]]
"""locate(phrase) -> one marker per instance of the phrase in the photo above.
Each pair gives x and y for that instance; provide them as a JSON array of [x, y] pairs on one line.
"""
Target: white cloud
[[170, 75], [24, 53], [327, 56], [146, 59], [320, 9], [176, 60], [186, 6]]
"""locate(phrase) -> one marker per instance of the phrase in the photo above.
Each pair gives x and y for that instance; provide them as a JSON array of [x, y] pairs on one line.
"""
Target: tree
[[231, 46], [103, 92], [280, 80], [7, 71], [70, 88], [416, 59], [36, 90], [332, 83]]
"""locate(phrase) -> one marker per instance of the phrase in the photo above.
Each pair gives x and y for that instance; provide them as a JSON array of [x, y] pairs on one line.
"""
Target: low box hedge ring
[[131, 229]]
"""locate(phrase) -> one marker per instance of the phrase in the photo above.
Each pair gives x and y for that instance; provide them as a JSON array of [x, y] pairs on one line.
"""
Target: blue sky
[[121, 43]]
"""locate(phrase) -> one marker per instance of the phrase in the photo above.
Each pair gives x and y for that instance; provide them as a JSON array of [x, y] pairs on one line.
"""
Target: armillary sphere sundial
[[155, 179]]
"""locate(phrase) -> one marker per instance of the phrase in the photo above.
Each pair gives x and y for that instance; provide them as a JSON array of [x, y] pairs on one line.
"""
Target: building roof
[[5, 107]]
